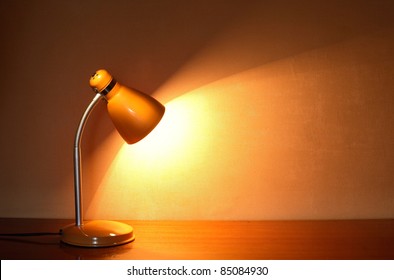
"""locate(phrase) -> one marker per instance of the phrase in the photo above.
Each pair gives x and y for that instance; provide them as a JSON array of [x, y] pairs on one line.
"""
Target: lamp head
[[100, 80], [133, 113]]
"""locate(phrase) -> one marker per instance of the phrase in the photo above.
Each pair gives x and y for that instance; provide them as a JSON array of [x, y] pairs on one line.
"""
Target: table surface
[[209, 240]]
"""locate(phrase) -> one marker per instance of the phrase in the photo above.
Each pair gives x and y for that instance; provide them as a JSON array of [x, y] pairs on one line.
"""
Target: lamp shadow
[[264, 33]]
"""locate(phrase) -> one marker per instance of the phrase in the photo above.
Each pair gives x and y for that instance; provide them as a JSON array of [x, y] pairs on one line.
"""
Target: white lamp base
[[98, 234]]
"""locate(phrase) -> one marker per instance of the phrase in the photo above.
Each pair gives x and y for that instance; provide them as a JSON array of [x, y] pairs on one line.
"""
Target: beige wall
[[275, 109]]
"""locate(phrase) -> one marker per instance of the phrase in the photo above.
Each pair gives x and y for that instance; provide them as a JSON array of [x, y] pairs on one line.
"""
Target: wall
[[275, 109]]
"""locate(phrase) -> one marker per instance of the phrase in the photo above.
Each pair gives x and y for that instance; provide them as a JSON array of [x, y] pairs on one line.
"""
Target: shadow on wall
[[299, 67], [268, 31], [286, 140]]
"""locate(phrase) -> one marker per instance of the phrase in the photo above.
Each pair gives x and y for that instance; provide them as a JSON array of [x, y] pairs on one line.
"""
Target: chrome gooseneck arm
[[77, 160]]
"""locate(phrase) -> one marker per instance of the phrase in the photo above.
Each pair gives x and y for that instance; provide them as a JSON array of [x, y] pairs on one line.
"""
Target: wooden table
[[226, 240]]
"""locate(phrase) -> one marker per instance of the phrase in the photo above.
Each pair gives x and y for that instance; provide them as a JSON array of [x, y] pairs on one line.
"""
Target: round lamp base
[[98, 234]]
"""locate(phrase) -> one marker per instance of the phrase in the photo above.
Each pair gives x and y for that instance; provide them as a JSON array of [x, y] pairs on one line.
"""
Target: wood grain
[[194, 240]]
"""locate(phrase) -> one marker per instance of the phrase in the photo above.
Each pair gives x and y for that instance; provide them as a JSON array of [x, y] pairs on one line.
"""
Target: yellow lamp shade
[[133, 113]]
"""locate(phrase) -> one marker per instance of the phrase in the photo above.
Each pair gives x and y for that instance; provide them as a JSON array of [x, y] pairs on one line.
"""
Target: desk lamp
[[134, 114]]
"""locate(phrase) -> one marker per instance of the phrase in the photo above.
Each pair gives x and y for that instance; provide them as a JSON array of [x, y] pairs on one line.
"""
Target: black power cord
[[29, 234]]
